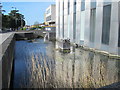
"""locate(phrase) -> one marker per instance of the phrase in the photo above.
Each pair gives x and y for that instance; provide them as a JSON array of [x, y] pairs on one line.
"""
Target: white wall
[[83, 24]]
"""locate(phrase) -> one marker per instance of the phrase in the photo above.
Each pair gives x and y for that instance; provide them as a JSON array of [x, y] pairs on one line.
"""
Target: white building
[[50, 15], [92, 24], [0, 22]]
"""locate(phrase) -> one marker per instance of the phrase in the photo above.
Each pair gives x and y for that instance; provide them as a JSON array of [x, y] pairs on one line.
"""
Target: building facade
[[92, 23], [0, 18], [50, 15]]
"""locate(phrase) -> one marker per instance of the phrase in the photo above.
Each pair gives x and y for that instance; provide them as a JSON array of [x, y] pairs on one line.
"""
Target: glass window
[[74, 6], [74, 26], [82, 5], [92, 24], [93, 4], [106, 24], [74, 21], [68, 7]]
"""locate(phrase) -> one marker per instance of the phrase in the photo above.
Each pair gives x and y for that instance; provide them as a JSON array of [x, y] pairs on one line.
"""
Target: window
[[106, 24], [92, 24], [68, 7], [74, 20], [82, 5], [75, 6], [74, 26], [93, 4]]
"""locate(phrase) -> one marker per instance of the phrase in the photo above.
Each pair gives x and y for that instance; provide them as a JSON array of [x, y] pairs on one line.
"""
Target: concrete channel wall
[[7, 53], [6, 61], [7, 56]]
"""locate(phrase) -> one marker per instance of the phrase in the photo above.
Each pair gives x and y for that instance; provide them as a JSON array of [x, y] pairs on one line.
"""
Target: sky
[[32, 11]]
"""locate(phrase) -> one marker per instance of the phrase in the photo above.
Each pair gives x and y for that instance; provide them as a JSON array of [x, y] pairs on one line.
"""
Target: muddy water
[[41, 65]]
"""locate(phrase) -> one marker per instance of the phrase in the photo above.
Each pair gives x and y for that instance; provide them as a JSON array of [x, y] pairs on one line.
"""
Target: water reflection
[[41, 65]]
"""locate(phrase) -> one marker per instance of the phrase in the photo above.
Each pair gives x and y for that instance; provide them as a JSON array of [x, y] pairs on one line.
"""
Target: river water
[[40, 64]]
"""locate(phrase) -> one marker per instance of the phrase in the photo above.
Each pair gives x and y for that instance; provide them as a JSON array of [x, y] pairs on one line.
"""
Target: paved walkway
[[4, 36]]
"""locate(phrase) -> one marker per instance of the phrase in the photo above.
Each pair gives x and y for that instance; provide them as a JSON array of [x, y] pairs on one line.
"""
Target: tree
[[19, 18], [13, 20]]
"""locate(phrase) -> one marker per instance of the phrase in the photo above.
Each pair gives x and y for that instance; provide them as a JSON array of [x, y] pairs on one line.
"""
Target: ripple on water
[[40, 65]]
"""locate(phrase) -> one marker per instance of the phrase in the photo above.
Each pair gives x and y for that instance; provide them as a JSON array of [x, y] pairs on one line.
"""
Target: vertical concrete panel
[[82, 27], [71, 21], [61, 19], [65, 19], [57, 19], [68, 20], [65, 27], [119, 28], [87, 22], [113, 43], [99, 20], [78, 8]]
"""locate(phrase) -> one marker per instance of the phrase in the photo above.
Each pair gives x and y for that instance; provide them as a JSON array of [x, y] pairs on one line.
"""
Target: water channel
[[40, 64]]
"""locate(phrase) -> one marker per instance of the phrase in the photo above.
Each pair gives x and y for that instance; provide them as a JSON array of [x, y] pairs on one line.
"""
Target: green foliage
[[23, 28], [13, 20], [42, 27]]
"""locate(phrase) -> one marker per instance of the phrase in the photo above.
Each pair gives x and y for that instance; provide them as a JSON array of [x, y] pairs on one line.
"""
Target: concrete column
[[57, 19], [78, 21], [87, 22], [71, 20], [114, 28], [68, 22], [61, 19], [119, 27], [65, 19], [99, 20]]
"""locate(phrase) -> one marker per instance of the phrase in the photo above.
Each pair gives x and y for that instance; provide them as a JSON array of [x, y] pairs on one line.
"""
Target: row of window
[[93, 5], [105, 25], [106, 22]]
